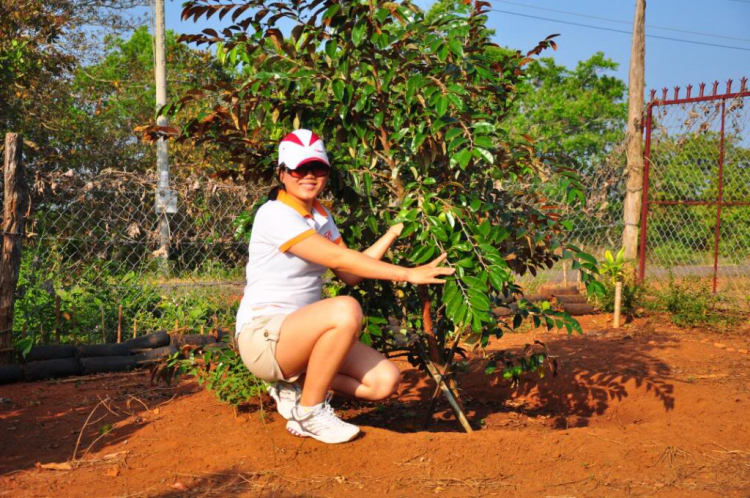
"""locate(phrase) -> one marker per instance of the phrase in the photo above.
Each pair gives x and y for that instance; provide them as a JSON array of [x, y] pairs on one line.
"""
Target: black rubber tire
[[579, 309], [571, 290], [571, 299], [93, 350], [155, 340], [502, 311], [536, 298], [196, 339], [216, 345], [51, 369], [55, 352], [107, 364], [155, 354], [11, 373]]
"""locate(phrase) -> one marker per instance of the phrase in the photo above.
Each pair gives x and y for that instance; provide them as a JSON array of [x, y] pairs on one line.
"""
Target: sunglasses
[[319, 170]]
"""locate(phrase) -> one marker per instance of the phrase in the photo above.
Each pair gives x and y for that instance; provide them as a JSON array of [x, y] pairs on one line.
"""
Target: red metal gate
[[696, 194]]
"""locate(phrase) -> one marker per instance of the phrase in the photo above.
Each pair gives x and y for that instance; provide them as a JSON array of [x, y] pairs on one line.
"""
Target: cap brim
[[310, 160]]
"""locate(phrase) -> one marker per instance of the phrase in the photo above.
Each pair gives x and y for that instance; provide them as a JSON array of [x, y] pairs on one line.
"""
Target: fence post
[[13, 229], [720, 194], [634, 183]]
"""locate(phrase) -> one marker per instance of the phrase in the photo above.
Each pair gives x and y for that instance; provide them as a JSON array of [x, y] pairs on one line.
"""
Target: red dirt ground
[[645, 410]]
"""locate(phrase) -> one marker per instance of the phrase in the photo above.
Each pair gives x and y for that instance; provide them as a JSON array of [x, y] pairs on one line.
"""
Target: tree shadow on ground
[[42, 421], [594, 374], [231, 482]]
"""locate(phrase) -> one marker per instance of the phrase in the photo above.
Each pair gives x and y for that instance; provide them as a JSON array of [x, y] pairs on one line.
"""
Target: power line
[[624, 22], [620, 30]]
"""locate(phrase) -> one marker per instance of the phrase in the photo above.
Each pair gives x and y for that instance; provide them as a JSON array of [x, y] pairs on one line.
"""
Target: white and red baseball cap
[[301, 147]]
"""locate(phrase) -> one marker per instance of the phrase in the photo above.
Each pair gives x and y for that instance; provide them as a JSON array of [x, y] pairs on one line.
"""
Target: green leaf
[[457, 142], [374, 330], [479, 300], [358, 32], [453, 133], [484, 154], [417, 142], [456, 47], [462, 158], [483, 127], [484, 142], [441, 106], [338, 89], [332, 10], [474, 283]]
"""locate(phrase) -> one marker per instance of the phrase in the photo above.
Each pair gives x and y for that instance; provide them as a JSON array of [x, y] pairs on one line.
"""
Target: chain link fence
[[596, 225], [697, 218], [91, 269]]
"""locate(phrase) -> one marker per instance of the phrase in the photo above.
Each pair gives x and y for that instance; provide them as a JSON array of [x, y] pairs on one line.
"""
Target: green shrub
[[220, 370], [689, 302], [632, 297]]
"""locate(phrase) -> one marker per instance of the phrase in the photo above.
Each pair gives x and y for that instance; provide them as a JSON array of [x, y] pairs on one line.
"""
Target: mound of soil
[[644, 410]]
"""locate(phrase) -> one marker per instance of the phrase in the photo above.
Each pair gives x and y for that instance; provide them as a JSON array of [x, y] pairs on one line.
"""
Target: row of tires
[[51, 362]]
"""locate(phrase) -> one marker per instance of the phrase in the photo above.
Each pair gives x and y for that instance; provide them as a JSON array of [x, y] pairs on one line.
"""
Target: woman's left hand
[[396, 229]]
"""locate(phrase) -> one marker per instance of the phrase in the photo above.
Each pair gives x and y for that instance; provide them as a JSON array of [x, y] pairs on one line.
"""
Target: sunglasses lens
[[318, 170]]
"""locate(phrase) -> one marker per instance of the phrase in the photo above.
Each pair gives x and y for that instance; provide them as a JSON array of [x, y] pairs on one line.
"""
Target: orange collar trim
[[293, 203]]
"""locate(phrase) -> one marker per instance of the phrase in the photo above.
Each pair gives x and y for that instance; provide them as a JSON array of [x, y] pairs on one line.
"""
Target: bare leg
[[366, 374], [318, 338]]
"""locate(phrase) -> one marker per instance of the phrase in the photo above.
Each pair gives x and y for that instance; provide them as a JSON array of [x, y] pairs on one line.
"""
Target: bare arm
[[377, 251], [319, 250]]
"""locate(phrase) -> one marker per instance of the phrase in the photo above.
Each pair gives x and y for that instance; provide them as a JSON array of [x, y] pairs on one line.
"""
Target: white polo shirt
[[278, 281]]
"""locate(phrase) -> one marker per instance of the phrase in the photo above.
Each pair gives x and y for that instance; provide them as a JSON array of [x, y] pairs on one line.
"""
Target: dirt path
[[647, 410]]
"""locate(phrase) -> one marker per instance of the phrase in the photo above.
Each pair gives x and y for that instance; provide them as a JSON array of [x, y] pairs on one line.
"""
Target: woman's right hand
[[427, 274]]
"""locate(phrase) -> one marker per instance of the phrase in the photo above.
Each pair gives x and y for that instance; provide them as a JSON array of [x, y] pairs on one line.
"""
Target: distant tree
[[576, 115], [116, 95]]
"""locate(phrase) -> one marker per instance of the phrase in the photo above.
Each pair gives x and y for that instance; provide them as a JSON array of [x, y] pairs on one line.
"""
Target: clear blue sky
[[668, 63]]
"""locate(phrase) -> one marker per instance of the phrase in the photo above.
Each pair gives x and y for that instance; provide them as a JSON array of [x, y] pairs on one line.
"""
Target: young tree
[[413, 113]]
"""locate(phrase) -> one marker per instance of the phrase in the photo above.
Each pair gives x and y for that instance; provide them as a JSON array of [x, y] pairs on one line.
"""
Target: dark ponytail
[[274, 193]]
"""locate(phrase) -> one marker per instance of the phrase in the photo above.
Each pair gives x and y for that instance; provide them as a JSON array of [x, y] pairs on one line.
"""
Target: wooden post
[[618, 305], [636, 86], [13, 230], [119, 324], [135, 328], [57, 318], [565, 274], [104, 333], [74, 320]]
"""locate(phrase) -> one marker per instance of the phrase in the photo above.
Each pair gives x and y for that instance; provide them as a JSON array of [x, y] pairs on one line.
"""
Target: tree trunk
[[434, 350], [634, 196], [13, 229]]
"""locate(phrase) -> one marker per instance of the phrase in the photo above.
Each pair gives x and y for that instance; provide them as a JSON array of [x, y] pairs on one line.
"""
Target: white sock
[[304, 410]]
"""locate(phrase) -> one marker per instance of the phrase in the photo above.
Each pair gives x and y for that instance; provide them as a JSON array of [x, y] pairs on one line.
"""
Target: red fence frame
[[719, 202]]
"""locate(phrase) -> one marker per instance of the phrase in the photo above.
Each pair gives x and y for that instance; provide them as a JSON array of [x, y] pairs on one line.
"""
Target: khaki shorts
[[257, 342]]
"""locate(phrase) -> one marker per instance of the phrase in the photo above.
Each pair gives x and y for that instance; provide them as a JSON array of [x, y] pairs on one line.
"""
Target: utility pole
[[636, 86], [165, 198]]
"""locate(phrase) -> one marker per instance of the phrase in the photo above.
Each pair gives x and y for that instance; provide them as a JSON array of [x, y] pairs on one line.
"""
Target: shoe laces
[[288, 391], [327, 412]]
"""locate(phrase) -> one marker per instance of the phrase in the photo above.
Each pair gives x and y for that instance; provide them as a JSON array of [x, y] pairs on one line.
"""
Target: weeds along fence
[[90, 269]]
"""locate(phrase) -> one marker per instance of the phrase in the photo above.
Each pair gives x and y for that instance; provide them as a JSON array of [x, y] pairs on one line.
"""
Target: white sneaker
[[286, 396], [321, 424]]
